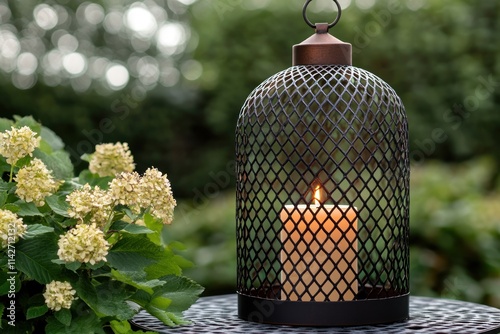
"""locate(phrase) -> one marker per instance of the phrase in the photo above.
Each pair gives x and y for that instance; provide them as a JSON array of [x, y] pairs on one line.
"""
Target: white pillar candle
[[319, 252]]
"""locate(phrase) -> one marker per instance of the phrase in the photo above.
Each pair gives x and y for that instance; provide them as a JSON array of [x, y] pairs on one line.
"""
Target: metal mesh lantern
[[322, 193]]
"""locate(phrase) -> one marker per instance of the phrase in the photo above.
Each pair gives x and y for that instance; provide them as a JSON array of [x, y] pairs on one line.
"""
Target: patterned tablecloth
[[218, 314]]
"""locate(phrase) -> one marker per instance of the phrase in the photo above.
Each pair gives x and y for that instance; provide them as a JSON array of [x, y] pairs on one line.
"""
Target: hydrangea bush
[[84, 254]]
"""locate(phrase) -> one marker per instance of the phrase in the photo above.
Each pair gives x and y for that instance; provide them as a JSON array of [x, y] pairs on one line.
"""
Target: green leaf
[[36, 311], [24, 161], [167, 318], [86, 157], [45, 147], [27, 209], [130, 228], [137, 280], [138, 253], [177, 245], [182, 262], [37, 229], [22, 327], [28, 121], [141, 297], [123, 327], [165, 266], [5, 124], [95, 266], [181, 292], [58, 162], [11, 207], [5, 285], [34, 258], [49, 136], [64, 316], [87, 323], [4, 168], [161, 302], [6, 186], [93, 179], [106, 299], [3, 198], [58, 204], [134, 253], [155, 225], [73, 266]]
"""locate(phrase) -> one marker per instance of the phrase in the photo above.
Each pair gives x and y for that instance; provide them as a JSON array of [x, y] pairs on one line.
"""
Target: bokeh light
[[96, 45], [26, 63], [45, 16], [117, 76], [74, 63], [171, 38], [94, 13], [140, 20]]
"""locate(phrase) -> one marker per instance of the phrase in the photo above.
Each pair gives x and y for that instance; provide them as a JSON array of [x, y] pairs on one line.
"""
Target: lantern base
[[324, 314]]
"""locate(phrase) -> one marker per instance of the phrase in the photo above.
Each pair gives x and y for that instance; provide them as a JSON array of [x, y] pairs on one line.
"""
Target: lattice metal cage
[[323, 199]]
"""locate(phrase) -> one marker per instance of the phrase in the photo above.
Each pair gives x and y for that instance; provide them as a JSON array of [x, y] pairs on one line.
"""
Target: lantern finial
[[331, 25], [322, 48]]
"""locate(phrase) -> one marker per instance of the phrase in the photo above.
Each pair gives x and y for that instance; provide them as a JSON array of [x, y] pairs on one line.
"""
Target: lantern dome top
[[322, 49]]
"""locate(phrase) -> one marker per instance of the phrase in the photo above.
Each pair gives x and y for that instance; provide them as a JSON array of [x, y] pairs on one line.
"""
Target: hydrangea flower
[[83, 243], [59, 295], [94, 204], [124, 189], [35, 182], [111, 159], [155, 193], [10, 226], [17, 143]]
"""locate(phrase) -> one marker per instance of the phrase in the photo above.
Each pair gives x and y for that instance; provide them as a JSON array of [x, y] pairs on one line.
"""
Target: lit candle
[[319, 261]]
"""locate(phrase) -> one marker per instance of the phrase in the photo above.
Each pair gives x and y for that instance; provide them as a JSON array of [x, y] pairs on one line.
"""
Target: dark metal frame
[[323, 127], [346, 129]]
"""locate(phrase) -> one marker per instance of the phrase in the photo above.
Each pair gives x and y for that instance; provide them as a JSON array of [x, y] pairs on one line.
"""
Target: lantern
[[322, 193]]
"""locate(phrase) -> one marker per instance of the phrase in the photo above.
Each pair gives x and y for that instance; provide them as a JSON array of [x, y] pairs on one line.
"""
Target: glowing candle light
[[319, 261]]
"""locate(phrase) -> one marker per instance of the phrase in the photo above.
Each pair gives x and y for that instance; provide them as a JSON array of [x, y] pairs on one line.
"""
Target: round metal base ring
[[324, 314]]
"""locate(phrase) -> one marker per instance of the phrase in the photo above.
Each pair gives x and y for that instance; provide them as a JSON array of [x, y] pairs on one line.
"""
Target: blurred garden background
[[170, 76]]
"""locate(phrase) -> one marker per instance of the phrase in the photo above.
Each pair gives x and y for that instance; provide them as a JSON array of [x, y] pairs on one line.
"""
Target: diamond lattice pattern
[[342, 130]]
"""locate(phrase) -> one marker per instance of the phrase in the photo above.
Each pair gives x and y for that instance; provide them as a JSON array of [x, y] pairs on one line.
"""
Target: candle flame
[[317, 195]]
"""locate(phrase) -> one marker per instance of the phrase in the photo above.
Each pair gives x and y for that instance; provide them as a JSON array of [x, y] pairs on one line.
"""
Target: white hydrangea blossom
[[35, 182], [124, 189], [156, 194], [111, 159], [94, 204], [59, 295], [83, 243], [17, 143], [10, 226]]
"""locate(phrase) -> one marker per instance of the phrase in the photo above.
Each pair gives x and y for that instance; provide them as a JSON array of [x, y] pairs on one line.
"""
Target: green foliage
[[141, 270], [209, 234], [456, 232]]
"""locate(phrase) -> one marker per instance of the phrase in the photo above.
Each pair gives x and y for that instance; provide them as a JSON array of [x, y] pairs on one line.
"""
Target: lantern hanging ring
[[309, 23]]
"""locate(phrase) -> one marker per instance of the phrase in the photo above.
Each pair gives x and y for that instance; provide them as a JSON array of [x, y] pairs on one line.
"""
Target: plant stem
[[11, 173]]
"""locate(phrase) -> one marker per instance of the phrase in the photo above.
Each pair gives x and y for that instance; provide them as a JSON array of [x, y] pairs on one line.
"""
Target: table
[[218, 315]]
